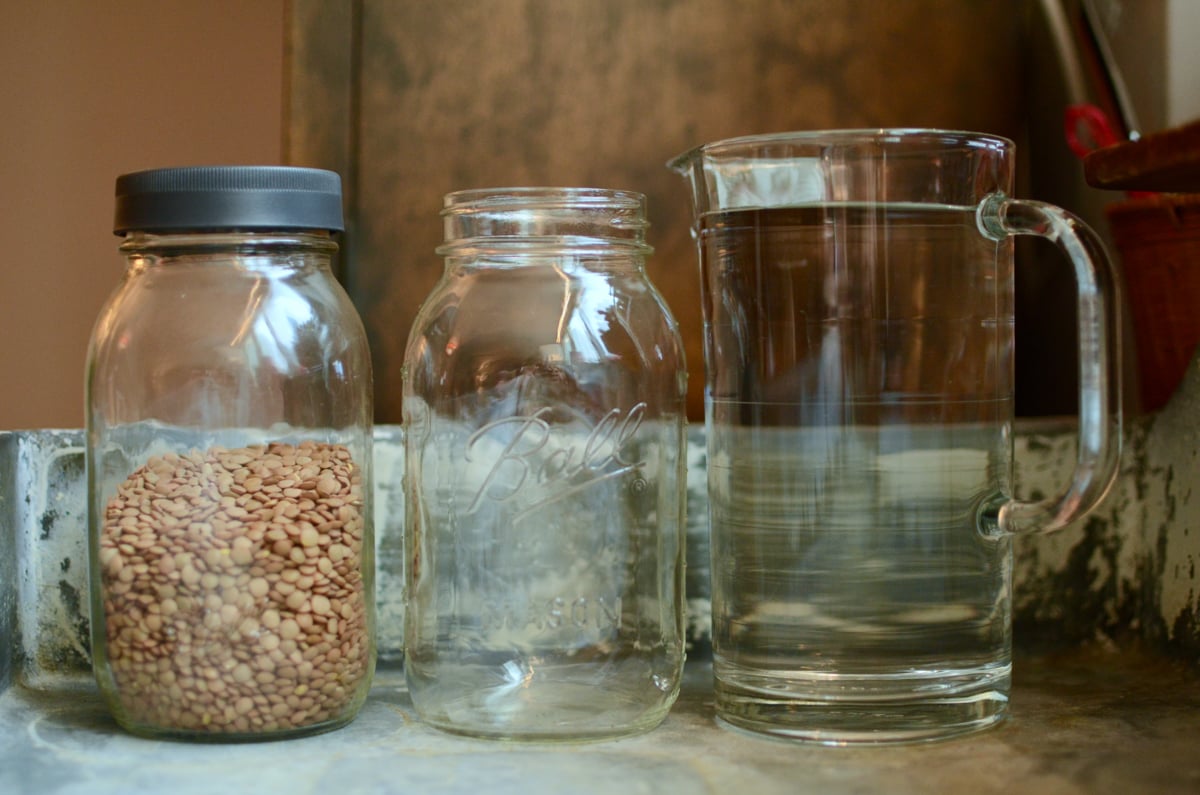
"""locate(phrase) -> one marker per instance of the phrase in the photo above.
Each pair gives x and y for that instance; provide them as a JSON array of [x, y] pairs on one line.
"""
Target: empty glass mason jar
[[229, 422], [544, 393]]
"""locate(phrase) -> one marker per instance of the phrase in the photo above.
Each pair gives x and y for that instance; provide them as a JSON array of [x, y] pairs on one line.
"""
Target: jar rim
[[575, 218], [315, 239], [496, 248], [540, 197]]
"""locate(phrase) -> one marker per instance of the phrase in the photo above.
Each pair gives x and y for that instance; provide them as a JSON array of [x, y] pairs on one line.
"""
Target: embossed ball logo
[[535, 455]]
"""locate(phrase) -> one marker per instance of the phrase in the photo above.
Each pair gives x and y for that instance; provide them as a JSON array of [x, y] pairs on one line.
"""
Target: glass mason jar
[[544, 387], [229, 422]]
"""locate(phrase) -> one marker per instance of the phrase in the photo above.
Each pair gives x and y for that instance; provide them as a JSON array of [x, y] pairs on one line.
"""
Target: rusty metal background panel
[[1123, 577], [8, 558], [484, 93]]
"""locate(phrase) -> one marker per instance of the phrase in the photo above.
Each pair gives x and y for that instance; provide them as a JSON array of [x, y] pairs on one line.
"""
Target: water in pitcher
[[858, 418]]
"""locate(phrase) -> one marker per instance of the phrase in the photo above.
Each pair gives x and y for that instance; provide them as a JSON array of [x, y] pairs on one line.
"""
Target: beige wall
[[90, 89], [1183, 62]]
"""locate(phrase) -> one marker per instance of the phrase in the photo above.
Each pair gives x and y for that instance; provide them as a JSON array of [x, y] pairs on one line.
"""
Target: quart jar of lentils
[[229, 411]]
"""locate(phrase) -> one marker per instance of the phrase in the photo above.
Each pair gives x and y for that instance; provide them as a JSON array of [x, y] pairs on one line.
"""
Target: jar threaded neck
[[574, 218]]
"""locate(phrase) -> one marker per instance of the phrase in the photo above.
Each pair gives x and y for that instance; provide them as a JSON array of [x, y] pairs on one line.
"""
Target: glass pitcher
[[858, 316]]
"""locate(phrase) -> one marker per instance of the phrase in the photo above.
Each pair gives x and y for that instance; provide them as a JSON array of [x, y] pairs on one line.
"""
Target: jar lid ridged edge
[[195, 198]]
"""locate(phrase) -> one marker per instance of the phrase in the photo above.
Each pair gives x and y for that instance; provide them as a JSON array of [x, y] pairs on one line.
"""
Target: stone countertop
[[1083, 721]]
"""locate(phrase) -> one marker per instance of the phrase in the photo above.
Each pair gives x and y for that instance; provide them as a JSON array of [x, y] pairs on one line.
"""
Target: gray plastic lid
[[197, 198]]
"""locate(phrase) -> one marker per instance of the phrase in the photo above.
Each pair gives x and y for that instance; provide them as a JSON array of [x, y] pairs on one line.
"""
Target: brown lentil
[[209, 579]]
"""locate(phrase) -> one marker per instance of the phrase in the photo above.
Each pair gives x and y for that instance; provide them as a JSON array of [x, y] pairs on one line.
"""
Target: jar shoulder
[[599, 312], [181, 314], [483, 348]]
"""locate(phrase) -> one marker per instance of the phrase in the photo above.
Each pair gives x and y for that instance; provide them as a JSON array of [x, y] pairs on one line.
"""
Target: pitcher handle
[[1100, 437]]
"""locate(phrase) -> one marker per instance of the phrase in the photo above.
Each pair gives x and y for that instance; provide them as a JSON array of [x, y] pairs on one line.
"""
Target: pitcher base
[[864, 711]]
